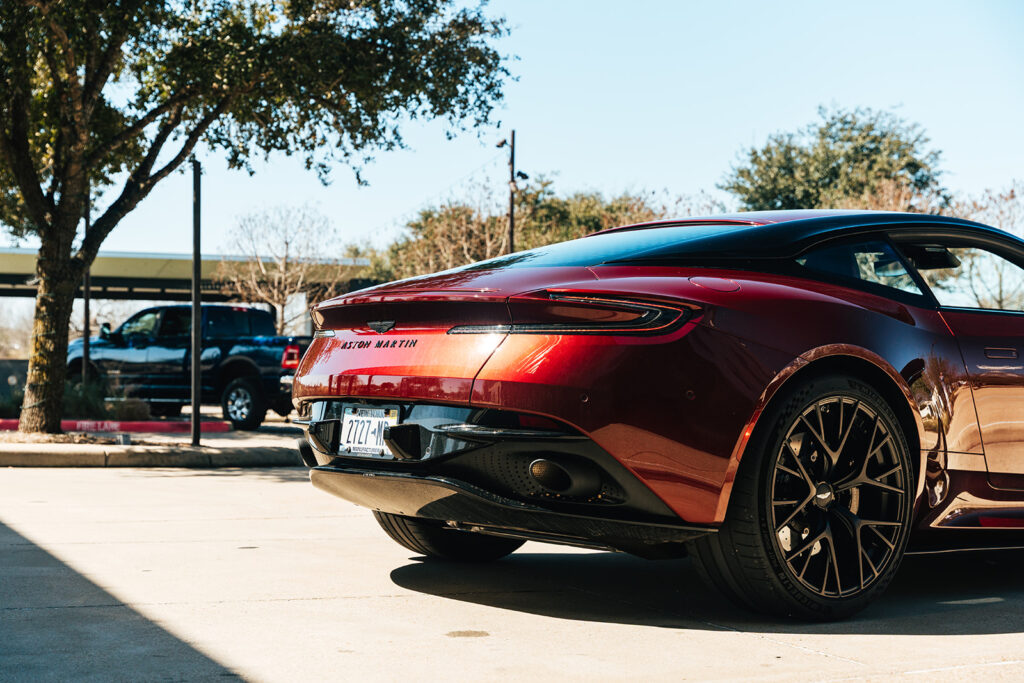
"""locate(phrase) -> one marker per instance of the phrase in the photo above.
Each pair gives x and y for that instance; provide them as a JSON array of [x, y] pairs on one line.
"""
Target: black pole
[[86, 282], [512, 194], [196, 302]]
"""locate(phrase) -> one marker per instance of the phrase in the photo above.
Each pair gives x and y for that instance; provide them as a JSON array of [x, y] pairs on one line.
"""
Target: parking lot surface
[[150, 574]]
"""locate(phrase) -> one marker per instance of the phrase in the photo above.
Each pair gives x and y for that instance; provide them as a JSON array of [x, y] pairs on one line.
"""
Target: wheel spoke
[[849, 428], [808, 545], [789, 470], [794, 513], [880, 485], [892, 546], [835, 561], [819, 436], [803, 470]]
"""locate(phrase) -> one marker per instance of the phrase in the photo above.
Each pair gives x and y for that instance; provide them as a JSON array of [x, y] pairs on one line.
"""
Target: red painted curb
[[152, 426]]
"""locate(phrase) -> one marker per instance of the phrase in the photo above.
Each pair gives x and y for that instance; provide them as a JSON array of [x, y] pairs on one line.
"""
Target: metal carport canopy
[[130, 275]]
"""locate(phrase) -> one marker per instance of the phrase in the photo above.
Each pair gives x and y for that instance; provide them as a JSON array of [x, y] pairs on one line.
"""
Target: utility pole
[[512, 176], [86, 284], [197, 313]]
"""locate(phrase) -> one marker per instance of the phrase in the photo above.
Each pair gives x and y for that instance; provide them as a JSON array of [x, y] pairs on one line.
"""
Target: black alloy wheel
[[838, 497], [820, 511]]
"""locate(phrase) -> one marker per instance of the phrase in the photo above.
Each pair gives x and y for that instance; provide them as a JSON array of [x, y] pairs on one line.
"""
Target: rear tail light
[[556, 313], [290, 357]]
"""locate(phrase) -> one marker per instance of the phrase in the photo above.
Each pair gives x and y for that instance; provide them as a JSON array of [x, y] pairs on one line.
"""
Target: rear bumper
[[467, 507]]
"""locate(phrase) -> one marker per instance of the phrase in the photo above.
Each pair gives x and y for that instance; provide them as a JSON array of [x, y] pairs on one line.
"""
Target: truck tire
[[430, 538], [243, 404]]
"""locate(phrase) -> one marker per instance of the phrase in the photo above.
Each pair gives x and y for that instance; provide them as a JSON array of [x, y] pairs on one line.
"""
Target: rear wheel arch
[[877, 374], [233, 368]]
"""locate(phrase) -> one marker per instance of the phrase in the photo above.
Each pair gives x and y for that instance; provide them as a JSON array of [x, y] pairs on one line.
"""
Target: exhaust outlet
[[565, 478]]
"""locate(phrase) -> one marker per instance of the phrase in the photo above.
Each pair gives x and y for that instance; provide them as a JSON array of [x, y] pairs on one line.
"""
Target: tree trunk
[[47, 364]]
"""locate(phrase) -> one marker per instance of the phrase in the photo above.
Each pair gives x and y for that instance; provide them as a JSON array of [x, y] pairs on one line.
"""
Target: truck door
[[167, 375]]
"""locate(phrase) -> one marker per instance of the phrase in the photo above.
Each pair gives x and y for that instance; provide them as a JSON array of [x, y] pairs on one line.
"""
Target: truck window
[[176, 322], [141, 326], [262, 324], [226, 322]]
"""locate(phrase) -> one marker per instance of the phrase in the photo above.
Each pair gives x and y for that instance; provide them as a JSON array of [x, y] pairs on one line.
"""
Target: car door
[[980, 290], [166, 373], [123, 360]]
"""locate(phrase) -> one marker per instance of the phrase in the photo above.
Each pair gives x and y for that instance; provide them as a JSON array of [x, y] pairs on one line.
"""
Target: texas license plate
[[362, 429]]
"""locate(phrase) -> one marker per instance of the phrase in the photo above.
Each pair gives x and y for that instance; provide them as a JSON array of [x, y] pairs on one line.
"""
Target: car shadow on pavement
[[58, 625], [962, 593]]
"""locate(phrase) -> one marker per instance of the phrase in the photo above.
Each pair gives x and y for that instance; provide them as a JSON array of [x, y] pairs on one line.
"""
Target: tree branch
[[15, 152], [141, 181], [138, 127]]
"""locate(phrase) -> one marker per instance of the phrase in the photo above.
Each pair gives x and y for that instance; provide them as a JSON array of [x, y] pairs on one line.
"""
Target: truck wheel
[[429, 538], [243, 404]]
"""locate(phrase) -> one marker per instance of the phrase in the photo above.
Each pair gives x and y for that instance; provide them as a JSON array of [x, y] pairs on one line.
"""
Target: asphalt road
[[120, 574]]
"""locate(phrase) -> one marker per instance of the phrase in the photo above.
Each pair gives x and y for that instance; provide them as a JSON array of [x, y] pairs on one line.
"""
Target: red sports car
[[794, 399]]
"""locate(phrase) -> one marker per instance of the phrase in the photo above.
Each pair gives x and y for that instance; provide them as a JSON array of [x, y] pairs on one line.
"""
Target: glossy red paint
[[677, 409]]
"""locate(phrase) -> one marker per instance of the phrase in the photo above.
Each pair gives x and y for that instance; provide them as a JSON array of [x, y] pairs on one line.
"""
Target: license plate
[[362, 429]]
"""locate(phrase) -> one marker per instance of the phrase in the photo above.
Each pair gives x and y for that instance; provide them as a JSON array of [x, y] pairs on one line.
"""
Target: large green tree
[[114, 95], [848, 157]]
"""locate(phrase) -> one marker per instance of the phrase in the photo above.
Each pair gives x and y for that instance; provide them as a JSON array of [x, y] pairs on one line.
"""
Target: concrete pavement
[[189, 574]]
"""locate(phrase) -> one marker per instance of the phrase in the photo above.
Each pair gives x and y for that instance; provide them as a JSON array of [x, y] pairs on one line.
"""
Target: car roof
[[779, 233]]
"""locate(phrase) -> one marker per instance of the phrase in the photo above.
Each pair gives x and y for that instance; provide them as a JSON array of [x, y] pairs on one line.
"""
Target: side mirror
[[105, 331]]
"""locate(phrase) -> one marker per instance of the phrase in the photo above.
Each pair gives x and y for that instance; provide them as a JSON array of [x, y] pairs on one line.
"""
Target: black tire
[[165, 409], [431, 538], [819, 516], [243, 404]]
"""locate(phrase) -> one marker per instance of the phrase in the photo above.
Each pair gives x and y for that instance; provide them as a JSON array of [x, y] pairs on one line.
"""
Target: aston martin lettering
[[382, 344]]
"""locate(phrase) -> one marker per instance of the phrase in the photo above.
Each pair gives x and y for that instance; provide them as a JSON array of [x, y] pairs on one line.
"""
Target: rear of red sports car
[[596, 393], [583, 405]]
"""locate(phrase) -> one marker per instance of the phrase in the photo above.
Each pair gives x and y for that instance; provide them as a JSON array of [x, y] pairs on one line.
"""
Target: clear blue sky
[[663, 95]]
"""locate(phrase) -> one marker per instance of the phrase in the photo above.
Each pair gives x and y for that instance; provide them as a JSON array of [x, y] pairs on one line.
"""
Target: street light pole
[[86, 285], [197, 316], [512, 194]]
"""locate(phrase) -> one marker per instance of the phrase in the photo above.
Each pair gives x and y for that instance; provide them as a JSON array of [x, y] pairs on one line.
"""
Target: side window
[[176, 322], [222, 321], [141, 325], [262, 324], [873, 261], [969, 277]]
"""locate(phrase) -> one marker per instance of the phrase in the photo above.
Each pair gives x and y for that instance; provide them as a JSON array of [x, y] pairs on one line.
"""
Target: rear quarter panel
[[678, 410]]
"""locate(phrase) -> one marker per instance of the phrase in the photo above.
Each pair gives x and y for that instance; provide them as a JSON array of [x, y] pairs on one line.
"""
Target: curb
[[147, 426], [98, 455]]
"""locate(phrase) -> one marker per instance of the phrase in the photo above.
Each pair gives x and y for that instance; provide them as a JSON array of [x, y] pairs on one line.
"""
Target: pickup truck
[[245, 367]]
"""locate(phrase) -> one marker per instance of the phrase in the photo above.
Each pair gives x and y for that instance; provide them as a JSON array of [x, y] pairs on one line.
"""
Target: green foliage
[[96, 94], [476, 227], [85, 401], [848, 155], [101, 88]]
